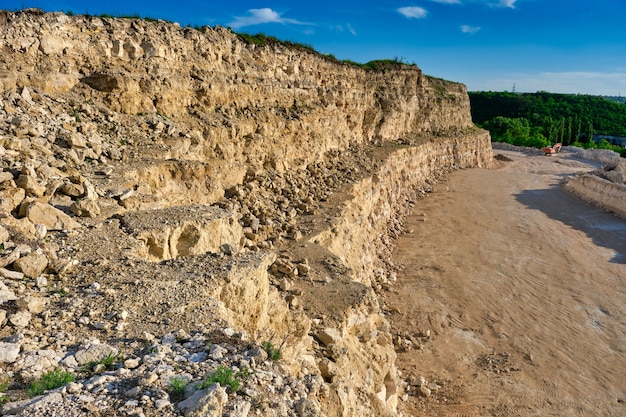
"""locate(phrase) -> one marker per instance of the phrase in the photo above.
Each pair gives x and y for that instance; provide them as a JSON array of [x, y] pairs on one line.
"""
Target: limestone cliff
[[246, 105], [207, 179]]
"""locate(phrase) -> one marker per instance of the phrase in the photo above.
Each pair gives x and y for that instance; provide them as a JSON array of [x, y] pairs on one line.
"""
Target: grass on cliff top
[[262, 39]]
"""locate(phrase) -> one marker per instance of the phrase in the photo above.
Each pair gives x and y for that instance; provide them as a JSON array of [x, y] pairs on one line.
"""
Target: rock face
[[163, 185], [599, 192]]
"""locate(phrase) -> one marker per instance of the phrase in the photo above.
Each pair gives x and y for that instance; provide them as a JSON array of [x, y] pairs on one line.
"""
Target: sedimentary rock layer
[[598, 191], [201, 179]]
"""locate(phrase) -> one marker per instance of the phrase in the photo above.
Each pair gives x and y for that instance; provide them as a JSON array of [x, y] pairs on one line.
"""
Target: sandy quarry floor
[[523, 290]]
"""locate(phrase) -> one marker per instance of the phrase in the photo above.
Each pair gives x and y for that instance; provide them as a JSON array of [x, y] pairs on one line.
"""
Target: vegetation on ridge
[[262, 39]]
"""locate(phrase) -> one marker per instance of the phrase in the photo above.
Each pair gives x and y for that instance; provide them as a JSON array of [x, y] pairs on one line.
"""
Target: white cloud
[[490, 3], [413, 12], [469, 29], [447, 1], [508, 3], [261, 16], [341, 28]]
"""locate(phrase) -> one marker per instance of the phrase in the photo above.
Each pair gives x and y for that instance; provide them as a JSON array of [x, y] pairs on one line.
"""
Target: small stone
[[11, 257], [41, 231], [31, 303], [74, 387], [228, 249], [303, 269], [10, 199], [5, 176], [30, 185], [425, 391], [161, 404], [197, 357], [206, 402], [286, 269], [101, 325], [41, 282], [133, 392], [51, 217], [329, 336], [73, 190], [149, 379], [94, 353], [229, 332], [85, 208], [217, 352], [307, 408], [31, 265], [131, 363], [20, 319], [284, 284], [4, 235], [9, 352], [6, 294]]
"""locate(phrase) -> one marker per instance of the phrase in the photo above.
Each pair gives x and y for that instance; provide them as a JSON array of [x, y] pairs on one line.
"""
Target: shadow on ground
[[603, 228]]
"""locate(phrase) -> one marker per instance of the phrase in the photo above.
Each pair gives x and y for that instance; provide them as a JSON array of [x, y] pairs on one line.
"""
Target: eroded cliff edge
[[204, 181]]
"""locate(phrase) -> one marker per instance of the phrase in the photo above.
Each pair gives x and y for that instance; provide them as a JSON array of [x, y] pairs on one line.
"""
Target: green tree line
[[543, 119]]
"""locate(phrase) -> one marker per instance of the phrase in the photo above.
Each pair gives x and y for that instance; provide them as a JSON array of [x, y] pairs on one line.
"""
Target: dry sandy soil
[[523, 290]]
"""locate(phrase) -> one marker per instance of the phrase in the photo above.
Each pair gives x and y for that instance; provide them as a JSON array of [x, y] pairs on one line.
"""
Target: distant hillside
[[566, 115], [617, 99]]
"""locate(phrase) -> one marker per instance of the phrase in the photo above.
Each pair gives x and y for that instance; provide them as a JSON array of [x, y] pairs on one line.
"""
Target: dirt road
[[522, 288]]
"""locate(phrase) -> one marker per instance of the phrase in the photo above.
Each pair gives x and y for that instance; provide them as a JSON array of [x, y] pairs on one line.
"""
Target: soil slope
[[521, 288]]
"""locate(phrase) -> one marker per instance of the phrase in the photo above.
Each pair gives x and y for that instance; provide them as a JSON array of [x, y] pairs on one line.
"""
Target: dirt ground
[[522, 288]]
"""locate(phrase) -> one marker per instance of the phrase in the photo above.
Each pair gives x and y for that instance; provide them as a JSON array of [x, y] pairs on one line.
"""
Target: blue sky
[[561, 46]]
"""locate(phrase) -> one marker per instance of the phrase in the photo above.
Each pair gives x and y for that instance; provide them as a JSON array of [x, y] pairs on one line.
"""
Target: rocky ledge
[[193, 225]]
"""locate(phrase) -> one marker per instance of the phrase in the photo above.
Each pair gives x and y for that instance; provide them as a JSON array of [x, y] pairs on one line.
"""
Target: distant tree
[[530, 119]]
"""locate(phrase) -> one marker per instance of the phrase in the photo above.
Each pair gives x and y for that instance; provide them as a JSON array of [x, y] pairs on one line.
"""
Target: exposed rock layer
[[208, 180], [599, 192]]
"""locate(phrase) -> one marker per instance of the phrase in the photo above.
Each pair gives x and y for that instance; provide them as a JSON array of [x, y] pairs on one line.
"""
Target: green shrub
[[177, 387], [4, 386], [50, 380], [272, 352], [222, 375], [108, 362]]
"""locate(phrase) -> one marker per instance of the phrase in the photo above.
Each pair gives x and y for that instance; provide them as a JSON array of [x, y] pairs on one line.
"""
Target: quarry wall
[[598, 191], [184, 143]]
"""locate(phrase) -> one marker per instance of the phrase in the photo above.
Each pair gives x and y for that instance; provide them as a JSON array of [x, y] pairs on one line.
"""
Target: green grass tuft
[[272, 352], [222, 375], [177, 388], [50, 380]]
